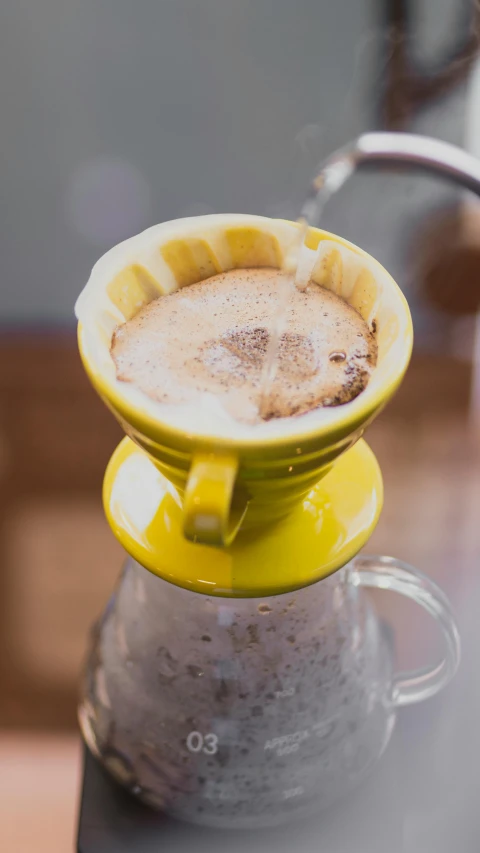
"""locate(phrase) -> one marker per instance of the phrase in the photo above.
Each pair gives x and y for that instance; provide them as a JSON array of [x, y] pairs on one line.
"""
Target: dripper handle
[[212, 511], [387, 573]]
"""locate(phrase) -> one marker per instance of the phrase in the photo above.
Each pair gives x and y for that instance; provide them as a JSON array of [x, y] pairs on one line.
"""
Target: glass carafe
[[250, 711]]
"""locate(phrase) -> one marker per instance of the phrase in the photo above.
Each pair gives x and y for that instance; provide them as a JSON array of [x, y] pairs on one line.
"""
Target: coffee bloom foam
[[143, 266]]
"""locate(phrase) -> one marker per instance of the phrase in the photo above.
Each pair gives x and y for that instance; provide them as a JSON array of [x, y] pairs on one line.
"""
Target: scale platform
[[112, 821]]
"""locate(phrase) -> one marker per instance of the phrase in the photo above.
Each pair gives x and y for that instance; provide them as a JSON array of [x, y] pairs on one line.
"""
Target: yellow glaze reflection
[[250, 247], [191, 260], [320, 534], [387, 335], [364, 295], [328, 271], [131, 289]]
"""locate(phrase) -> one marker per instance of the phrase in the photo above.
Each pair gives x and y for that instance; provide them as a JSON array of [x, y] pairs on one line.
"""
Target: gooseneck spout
[[419, 153]]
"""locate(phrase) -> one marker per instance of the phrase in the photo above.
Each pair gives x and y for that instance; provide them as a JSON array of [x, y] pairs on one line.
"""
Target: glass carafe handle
[[387, 573]]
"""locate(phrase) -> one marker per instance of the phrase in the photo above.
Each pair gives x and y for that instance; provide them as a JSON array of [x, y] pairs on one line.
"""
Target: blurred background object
[[117, 116]]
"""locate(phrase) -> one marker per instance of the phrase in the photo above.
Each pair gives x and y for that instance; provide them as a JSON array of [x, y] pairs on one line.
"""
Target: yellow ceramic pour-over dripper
[[264, 481]]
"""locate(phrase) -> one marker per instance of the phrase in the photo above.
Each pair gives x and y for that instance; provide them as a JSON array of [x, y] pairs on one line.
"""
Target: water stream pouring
[[239, 675], [419, 153]]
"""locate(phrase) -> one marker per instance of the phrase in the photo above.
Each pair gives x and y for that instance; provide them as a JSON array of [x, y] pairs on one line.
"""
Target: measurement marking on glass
[[196, 742], [282, 694], [293, 792], [288, 749], [285, 744], [324, 726]]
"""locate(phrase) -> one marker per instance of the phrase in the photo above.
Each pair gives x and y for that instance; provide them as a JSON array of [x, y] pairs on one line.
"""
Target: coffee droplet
[[338, 356]]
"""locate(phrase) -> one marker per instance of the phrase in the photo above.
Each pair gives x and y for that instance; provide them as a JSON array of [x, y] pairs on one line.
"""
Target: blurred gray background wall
[[116, 115]]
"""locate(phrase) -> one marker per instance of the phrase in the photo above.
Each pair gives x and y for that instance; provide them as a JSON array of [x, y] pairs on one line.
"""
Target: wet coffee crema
[[212, 337]]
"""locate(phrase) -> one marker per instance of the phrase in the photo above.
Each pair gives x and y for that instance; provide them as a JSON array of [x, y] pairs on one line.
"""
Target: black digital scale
[[417, 800], [112, 821]]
